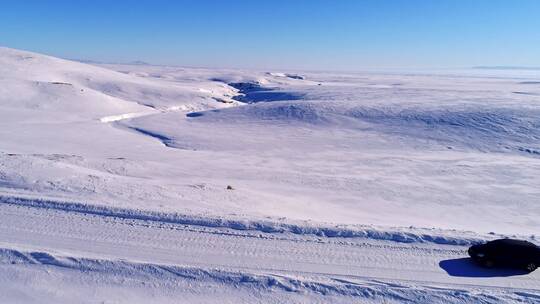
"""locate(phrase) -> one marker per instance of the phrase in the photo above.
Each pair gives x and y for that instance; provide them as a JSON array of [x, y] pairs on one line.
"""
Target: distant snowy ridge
[[402, 235], [503, 67], [97, 91]]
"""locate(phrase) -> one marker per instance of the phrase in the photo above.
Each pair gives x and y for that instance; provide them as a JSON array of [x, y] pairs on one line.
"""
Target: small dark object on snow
[[61, 83], [507, 253], [229, 187]]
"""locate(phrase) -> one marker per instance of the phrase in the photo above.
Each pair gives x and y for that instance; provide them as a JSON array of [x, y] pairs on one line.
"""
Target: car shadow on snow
[[466, 267]]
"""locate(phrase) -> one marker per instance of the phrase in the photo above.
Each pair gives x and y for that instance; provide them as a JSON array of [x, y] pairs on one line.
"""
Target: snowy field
[[344, 187]]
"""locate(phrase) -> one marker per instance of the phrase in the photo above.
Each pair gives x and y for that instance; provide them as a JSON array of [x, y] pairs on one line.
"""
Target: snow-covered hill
[[444, 158]]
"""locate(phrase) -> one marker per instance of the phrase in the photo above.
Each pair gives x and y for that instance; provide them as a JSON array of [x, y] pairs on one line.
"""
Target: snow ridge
[[351, 287], [402, 235]]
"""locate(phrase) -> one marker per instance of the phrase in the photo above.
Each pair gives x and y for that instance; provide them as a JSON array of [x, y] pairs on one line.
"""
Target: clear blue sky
[[311, 34]]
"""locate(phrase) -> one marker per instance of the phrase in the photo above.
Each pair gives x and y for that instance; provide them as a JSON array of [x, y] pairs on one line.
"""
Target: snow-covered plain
[[346, 187]]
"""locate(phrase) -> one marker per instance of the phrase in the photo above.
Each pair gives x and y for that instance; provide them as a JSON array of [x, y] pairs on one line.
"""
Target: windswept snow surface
[[347, 187]]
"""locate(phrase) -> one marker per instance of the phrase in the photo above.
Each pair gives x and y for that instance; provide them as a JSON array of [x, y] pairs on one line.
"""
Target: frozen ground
[[346, 187]]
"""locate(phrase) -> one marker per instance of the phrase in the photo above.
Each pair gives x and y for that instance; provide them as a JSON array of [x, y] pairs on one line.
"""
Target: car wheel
[[531, 267], [488, 264]]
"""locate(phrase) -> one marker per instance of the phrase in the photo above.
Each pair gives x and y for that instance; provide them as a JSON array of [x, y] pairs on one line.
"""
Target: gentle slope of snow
[[427, 161]]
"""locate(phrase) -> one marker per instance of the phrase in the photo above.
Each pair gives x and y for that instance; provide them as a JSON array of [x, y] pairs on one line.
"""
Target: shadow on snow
[[466, 267], [253, 93]]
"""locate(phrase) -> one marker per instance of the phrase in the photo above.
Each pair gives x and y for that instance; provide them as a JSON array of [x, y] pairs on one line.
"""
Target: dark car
[[507, 253]]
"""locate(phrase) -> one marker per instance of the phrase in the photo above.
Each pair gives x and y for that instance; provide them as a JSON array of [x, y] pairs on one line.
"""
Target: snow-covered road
[[341, 261]]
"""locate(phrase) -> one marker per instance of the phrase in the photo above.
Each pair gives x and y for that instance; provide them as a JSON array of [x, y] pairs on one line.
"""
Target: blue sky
[[299, 34]]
